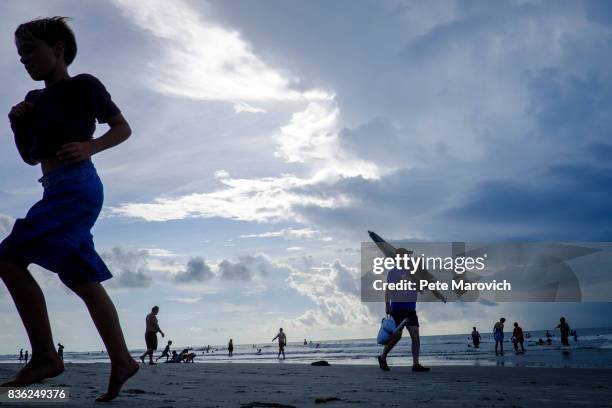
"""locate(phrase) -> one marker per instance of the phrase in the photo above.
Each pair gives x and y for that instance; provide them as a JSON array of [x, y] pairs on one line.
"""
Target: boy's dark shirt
[[63, 112]]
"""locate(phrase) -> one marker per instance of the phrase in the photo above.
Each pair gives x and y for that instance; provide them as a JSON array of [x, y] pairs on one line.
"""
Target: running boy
[[54, 126]]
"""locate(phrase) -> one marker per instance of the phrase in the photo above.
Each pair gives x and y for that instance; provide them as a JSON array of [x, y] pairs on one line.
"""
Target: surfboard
[[389, 250]]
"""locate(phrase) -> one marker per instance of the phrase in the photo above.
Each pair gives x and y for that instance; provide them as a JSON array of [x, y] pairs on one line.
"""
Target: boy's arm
[[17, 118], [78, 151], [22, 146]]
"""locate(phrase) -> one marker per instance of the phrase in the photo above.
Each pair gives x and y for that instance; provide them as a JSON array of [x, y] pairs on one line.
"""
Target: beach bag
[[387, 327]]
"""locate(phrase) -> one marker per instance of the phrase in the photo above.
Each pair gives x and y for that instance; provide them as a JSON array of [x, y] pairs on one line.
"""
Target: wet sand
[[300, 385]]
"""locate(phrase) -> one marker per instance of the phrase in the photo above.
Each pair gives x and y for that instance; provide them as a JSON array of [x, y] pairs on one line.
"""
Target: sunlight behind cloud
[[202, 60]]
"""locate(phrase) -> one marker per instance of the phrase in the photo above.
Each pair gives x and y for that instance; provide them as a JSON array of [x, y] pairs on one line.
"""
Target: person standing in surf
[[518, 338], [230, 348], [54, 127], [565, 331], [475, 337], [282, 342], [401, 305], [498, 335]]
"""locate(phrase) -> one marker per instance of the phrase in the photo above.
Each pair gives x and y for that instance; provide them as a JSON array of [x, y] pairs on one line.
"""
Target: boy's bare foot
[[37, 370], [120, 373]]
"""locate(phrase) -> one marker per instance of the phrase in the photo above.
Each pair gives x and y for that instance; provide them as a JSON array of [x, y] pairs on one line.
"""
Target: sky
[[270, 136]]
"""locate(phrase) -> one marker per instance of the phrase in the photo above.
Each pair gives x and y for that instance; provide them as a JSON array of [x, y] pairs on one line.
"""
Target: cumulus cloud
[[272, 198], [251, 267], [130, 268], [197, 271], [334, 289], [201, 59]]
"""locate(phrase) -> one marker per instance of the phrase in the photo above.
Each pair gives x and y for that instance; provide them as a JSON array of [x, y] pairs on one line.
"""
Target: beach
[[301, 385]]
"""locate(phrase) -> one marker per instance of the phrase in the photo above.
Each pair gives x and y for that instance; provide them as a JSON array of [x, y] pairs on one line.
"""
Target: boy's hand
[[19, 111], [75, 152]]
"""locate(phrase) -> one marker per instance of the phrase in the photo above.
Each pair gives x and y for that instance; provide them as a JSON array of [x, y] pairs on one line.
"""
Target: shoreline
[[299, 385]]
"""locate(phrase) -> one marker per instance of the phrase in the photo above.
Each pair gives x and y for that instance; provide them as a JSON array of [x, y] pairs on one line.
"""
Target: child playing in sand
[[54, 126], [498, 335]]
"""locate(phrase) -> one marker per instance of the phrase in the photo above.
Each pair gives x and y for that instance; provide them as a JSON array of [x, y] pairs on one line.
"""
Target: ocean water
[[593, 349]]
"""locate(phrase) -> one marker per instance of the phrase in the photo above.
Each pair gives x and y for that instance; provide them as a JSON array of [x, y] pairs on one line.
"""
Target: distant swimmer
[[305, 342], [565, 330], [498, 335], [282, 342], [575, 334], [518, 338], [230, 348], [548, 335], [475, 337], [60, 350], [21, 355], [166, 352], [25, 357], [258, 351]]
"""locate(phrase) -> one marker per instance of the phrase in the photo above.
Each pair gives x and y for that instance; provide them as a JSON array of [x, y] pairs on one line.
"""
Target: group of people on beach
[[518, 337], [187, 355]]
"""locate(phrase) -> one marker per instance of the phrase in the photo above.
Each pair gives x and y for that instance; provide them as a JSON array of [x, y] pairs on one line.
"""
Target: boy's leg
[[104, 316], [30, 303]]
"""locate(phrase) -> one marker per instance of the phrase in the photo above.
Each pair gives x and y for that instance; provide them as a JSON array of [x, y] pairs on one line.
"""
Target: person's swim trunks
[[400, 315], [55, 232], [151, 340]]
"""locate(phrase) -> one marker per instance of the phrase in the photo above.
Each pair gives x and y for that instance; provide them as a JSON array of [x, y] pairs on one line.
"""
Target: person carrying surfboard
[[401, 305]]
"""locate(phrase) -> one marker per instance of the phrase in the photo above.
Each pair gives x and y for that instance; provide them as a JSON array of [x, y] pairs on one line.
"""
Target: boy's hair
[[50, 30]]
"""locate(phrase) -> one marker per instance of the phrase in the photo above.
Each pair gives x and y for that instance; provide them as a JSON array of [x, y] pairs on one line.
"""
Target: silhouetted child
[[518, 338], [54, 126], [166, 351]]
